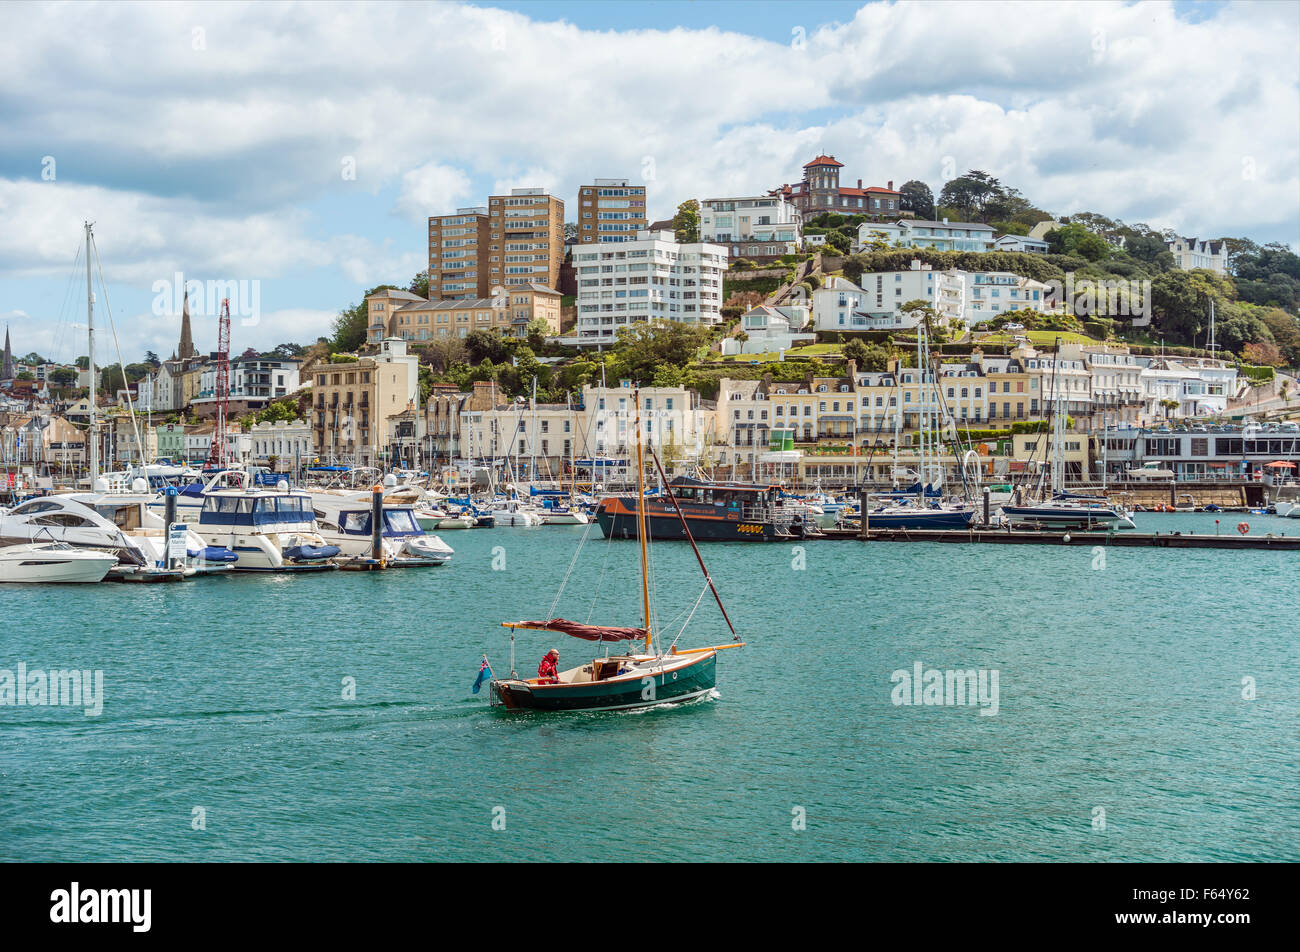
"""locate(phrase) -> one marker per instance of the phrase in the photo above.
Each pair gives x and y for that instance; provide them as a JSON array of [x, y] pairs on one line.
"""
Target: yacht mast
[[93, 434], [640, 523]]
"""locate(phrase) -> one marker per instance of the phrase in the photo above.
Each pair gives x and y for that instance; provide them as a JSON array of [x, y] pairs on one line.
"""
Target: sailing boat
[[928, 511], [654, 675], [1064, 510]]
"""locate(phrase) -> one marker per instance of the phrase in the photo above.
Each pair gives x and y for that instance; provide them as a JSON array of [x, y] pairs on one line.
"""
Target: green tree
[[921, 309], [112, 379], [535, 333], [63, 376], [855, 350], [483, 345], [643, 347], [686, 223], [1180, 303], [419, 284], [279, 411], [971, 194], [837, 242], [1075, 239], [915, 197]]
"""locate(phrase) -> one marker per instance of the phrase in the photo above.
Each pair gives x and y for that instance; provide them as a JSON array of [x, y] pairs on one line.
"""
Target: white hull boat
[[402, 541], [56, 562]]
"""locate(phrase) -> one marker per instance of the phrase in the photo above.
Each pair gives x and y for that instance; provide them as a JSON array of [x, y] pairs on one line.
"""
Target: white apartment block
[[965, 392], [756, 226], [1200, 387], [741, 427], [919, 233], [650, 279], [1116, 381], [990, 294], [841, 305], [1066, 377]]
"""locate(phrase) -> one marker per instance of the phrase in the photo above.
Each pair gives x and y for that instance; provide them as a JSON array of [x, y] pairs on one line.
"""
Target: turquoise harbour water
[[1120, 688]]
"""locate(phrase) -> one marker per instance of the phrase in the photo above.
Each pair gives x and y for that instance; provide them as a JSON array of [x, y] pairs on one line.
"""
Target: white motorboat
[[270, 530], [458, 519], [53, 562], [62, 518], [564, 516], [1289, 509], [134, 515], [348, 525], [511, 512]]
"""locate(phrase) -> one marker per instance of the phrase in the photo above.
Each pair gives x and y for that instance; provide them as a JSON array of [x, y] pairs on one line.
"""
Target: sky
[[288, 156]]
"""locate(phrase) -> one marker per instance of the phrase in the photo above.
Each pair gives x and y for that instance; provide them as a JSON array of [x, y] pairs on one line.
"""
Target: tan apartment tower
[[610, 210], [458, 253], [526, 243]]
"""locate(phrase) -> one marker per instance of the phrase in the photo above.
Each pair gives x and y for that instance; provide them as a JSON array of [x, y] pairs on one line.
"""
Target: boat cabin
[[397, 523], [256, 511], [723, 495]]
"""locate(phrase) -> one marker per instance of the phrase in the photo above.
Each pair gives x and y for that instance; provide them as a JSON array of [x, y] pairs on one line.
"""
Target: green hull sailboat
[[644, 678]]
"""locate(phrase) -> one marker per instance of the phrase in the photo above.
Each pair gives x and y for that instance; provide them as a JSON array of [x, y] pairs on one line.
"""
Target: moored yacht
[[123, 528], [270, 530], [53, 562], [349, 526], [1067, 511]]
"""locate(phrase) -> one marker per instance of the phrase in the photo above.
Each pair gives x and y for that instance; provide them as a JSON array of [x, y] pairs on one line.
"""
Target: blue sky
[[220, 151]]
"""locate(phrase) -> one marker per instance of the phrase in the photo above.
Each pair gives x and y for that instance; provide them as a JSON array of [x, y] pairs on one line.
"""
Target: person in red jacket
[[548, 671]]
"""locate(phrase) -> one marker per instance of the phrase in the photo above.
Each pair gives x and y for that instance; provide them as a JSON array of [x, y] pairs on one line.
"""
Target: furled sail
[[579, 630]]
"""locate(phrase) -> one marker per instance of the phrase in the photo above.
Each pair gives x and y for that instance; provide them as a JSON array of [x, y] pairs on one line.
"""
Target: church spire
[[187, 348], [7, 372]]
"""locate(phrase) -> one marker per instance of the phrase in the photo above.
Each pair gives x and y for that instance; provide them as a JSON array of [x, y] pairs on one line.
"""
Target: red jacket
[[547, 669]]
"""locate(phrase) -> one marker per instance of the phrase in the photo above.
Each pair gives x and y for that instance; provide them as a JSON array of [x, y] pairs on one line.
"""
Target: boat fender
[[1243, 527]]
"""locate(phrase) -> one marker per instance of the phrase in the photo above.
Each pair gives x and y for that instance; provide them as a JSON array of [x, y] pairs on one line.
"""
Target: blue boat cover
[[311, 553]]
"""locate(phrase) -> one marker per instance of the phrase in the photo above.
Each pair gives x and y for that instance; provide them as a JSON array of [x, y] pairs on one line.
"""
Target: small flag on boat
[[484, 674]]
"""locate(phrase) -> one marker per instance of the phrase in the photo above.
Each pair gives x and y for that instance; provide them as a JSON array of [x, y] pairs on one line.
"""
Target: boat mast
[[90, 332], [1058, 426], [641, 523]]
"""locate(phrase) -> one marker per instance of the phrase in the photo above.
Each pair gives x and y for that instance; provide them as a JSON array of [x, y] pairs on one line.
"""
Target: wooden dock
[[1127, 539]]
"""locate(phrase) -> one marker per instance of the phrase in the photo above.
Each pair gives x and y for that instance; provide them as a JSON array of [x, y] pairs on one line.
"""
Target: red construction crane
[[219, 452]]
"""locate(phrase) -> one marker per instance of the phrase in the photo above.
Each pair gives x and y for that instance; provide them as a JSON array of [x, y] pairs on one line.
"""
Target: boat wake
[[709, 696]]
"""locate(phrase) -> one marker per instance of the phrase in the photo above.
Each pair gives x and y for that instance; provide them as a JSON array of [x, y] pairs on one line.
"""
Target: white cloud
[[207, 156], [432, 186]]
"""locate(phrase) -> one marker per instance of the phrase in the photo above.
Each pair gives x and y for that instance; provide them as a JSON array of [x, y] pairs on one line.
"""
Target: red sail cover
[[586, 632]]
